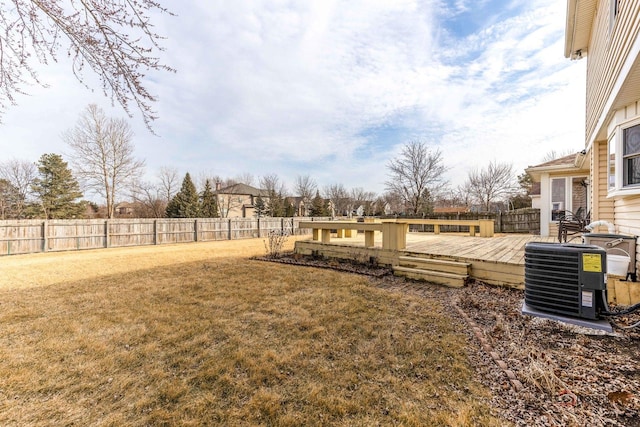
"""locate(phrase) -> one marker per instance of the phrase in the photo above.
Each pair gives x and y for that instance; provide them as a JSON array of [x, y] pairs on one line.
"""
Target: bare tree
[[20, 175], [455, 197], [114, 38], [416, 175], [150, 201], [244, 178], [553, 155], [491, 184], [391, 203], [339, 198], [360, 197], [103, 154], [305, 187], [276, 190], [169, 182]]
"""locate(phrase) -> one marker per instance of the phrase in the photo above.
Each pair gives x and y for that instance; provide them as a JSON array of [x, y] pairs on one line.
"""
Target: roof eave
[[580, 14], [569, 33]]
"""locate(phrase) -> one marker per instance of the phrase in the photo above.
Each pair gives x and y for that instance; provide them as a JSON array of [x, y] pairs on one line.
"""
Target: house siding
[[627, 213], [609, 46], [603, 207]]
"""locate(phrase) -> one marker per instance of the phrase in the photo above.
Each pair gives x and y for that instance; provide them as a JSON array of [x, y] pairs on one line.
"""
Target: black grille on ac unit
[[565, 279]]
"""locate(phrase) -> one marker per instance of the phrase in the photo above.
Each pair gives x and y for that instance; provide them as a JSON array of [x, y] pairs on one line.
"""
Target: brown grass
[[195, 335]]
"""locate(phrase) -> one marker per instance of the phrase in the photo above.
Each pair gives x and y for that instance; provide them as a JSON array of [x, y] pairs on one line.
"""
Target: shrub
[[275, 242]]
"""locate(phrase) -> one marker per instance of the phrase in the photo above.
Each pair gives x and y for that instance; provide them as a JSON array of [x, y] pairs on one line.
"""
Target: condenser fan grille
[[552, 281]]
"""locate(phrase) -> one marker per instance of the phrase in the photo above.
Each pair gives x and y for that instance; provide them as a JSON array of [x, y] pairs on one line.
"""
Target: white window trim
[[617, 138]]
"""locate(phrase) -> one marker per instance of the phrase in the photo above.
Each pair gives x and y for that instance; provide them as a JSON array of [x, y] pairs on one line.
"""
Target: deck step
[[441, 265], [440, 271], [447, 279]]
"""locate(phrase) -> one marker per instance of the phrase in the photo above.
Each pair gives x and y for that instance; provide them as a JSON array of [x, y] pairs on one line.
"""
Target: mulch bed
[[569, 376]]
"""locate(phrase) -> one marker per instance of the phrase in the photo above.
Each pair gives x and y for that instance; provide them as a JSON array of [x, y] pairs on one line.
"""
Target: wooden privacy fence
[[515, 221], [31, 236]]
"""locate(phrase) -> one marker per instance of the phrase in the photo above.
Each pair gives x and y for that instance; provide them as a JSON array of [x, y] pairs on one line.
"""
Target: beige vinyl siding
[[627, 214], [626, 220], [602, 207], [607, 50]]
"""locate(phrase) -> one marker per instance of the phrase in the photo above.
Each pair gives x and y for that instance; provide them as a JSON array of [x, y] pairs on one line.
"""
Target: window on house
[[631, 156], [611, 153], [558, 198]]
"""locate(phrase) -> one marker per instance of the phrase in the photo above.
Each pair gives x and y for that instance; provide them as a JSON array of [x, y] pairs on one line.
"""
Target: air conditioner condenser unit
[[566, 282]]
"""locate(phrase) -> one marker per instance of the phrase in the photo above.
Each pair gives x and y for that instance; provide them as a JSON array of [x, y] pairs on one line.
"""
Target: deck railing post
[[394, 235]]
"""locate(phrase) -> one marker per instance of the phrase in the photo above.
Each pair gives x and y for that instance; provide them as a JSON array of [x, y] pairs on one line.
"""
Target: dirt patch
[[570, 376]]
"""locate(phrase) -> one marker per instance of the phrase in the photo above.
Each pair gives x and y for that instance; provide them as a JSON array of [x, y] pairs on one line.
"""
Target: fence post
[[229, 228], [155, 231], [259, 228], [195, 230], [45, 232], [107, 243]]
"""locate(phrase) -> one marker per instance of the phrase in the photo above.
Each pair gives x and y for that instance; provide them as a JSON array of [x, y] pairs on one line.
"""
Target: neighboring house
[[238, 200], [607, 33], [124, 210], [300, 208], [561, 185], [536, 203]]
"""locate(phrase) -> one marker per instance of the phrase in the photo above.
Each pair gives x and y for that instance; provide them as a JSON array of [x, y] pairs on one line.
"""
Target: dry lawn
[[198, 334]]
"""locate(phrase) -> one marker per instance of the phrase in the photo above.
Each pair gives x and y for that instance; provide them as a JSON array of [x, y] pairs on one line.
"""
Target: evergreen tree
[[289, 210], [186, 203], [318, 206], [209, 202], [260, 207], [57, 189], [275, 207]]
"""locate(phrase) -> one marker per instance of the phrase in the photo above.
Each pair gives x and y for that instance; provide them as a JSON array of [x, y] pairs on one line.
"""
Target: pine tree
[[260, 207], [275, 207], [57, 189], [186, 203], [289, 210], [318, 206], [209, 202]]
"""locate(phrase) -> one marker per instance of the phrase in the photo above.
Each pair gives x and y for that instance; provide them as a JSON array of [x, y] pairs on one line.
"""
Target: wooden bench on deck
[[485, 226], [322, 230]]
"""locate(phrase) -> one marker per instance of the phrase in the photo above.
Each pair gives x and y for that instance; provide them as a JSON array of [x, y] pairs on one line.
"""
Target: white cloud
[[331, 88]]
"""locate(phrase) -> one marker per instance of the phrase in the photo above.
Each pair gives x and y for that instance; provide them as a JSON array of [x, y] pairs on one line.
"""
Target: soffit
[[580, 15]]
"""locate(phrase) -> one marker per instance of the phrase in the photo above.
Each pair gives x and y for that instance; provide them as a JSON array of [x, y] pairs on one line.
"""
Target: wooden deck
[[504, 248], [497, 260]]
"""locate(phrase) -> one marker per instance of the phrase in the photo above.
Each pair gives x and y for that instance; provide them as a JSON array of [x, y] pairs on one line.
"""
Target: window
[[558, 198], [631, 156], [612, 164]]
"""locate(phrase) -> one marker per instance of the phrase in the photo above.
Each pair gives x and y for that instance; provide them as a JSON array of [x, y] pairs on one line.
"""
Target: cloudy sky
[[333, 89]]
